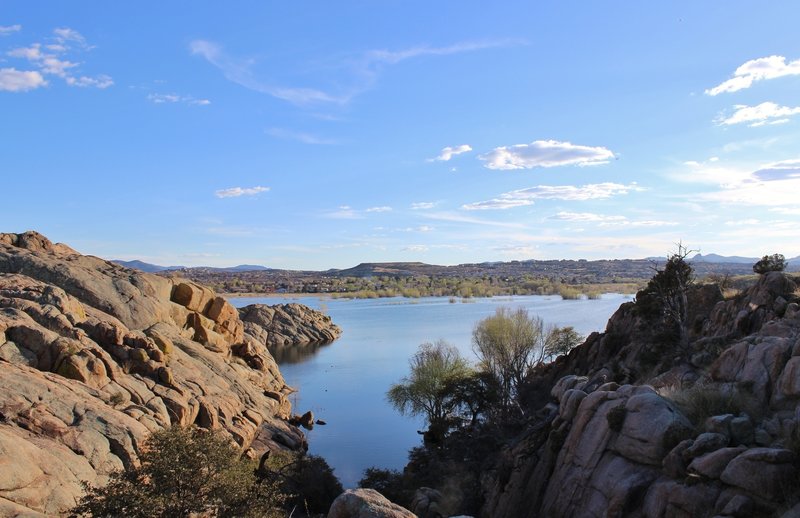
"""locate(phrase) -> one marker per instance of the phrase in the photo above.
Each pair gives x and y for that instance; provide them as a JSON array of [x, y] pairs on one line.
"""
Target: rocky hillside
[[628, 426], [94, 356]]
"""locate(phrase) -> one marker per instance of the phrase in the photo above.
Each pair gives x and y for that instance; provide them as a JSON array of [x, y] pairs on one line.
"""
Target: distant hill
[[145, 267], [401, 268], [716, 258], [153, 268]]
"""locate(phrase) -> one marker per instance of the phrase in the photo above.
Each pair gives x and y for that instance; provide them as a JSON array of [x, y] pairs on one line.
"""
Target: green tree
[[561, 340], [770, 263], [184, 472], [474, 394], [426, 390], [666, 293], [508, 344]]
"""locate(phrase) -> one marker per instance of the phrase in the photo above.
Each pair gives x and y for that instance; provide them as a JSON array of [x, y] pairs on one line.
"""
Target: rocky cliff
[[625, 426], [94, 356]]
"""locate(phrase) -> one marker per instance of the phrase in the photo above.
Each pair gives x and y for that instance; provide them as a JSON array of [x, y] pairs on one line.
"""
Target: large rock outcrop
[[94, 356], [719, 435]]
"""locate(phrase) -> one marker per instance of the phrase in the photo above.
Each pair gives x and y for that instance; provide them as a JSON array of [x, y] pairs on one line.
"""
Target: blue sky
[[319, 135]]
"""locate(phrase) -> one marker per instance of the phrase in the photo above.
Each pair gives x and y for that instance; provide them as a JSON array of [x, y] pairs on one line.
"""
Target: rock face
[[366, 503], [605, 442], [94, 356], [288, 325]]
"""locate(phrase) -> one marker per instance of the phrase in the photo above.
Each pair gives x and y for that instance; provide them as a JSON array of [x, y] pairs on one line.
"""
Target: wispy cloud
[[235, 192], [358, 73], [5, 30], [379, 209], [760, 69], [609, 220], [759, 115], [523, 197], [586, 216], [460, 218], [773, 185], [449, 152], [423, 205], [305, 138], [52, 59], [545, 153], [13, 80], [344, 212], [175, 98], [421, 228]]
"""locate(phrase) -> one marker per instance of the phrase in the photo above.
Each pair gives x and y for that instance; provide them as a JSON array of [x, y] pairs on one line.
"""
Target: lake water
[[345, 383]]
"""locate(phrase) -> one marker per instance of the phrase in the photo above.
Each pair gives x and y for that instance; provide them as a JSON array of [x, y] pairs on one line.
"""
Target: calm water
[[345, 383]]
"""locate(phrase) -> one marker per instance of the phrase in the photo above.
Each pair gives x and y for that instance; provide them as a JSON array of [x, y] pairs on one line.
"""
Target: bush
[[702, 401], [770, 263], [308, 479], [389, 483], [184, 471]]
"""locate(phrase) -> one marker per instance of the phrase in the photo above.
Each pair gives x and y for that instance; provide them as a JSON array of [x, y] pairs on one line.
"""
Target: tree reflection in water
[[295, 353]]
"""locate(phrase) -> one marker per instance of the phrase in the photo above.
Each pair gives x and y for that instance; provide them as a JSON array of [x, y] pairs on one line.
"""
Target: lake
[[345, 383]]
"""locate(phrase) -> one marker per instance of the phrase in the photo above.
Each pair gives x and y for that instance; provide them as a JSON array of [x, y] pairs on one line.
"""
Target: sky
[[316, 135]]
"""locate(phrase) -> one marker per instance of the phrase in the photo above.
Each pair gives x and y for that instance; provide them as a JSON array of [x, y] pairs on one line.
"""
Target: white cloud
[[102, 81], [356, 73], [65, 35], [789, 211], [175, 98], [423, 205], [743, 222], [53, 62], [449, 152], [608, 221], [344, 212], [523, 197], [497, 204], [461, 218], [379, 209], [764, 113], [234, 192], [773, 185], [545, 153], [415, 248], [586, 216], [305, 138], [770, 67], [9, 29], [13, 80]]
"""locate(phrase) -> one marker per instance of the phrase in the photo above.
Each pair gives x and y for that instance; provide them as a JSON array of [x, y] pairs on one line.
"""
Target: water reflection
[[295, 353]]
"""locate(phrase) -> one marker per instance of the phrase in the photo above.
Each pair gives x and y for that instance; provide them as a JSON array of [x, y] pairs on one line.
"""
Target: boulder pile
[[94, 356]]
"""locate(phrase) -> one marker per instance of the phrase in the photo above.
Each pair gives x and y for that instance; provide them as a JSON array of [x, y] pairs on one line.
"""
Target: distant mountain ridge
[[412, 268], [153, 268]]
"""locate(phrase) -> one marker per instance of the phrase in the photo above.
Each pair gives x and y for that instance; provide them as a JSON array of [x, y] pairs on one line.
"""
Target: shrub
[[569, 293], [770, 263], [308, 479], [389, 483], [702, 401], [182, 472]]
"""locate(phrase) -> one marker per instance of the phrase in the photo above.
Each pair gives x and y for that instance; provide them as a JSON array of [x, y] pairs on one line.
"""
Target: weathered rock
[[366, 503], [705, 443], [711, 465], [287, 325], [84, 346], [652, 427], [766, 472]]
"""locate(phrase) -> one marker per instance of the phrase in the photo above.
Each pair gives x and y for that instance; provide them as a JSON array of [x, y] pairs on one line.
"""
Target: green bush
[[183, 472]]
